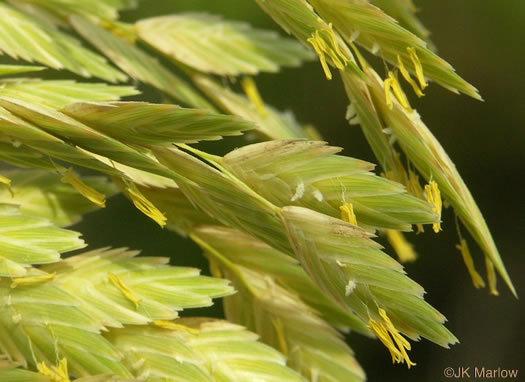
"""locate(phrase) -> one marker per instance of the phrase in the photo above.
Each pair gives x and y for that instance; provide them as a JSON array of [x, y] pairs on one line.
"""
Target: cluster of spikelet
[[287, 224]]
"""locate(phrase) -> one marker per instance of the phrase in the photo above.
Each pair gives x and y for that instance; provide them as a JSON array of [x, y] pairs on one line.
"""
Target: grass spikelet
[[362, 23], [430, 159], [272, 304], [344, 253], [211, 44], [325, 181]]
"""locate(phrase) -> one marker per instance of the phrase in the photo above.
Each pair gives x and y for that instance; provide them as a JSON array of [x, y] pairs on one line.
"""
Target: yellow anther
[[387, 333], [32, 279], [145, 206], [250, 89], [434, 197], [56, 374], [404, 249], [382, 335], [170, 325], [7, 183], [491, 277], [89, 193], [339, 56], [347, 213], [388, 94], [418, 67], [477, 280], [406, 76], [398, 91], [331, 49], [402, 343], [119, 284], [313, 41]]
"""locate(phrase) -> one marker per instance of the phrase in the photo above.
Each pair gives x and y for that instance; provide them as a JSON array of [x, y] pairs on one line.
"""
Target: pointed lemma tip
[[507, 280], [478, 96], [474, 93]]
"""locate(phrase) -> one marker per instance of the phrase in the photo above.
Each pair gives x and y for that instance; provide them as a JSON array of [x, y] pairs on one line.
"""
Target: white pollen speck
[[354, 35], [315, 375], [138, 364], [318, 195], [251, 137], [349, 288], [350, 112], [299, 192]]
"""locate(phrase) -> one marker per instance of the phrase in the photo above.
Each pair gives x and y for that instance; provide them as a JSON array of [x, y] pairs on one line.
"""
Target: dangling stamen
[[388, 95], [477, 280], [398, 92], [330, 49], [387, 333], [391, 83], [403, 248], [89, 193], [32, 279], [56, 374], [491, 277], [434, 197], [250, 89], [402, 343], [119, 284], [418, 67], [145, 206], [406, 76], [347, 213]]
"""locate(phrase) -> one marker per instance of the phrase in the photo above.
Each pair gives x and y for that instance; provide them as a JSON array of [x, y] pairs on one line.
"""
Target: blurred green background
[[484, 41]]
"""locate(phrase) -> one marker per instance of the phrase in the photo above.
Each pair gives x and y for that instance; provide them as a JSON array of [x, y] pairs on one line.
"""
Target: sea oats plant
[[288, 224]]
